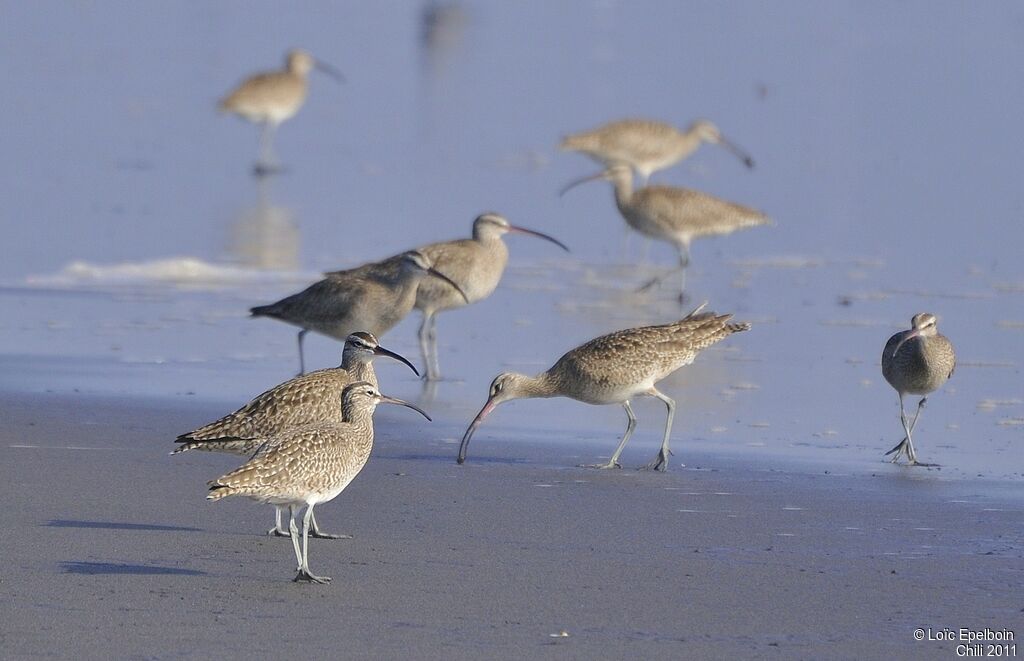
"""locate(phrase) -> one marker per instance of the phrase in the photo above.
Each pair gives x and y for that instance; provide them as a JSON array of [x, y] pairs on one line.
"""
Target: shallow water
[[887, 144]]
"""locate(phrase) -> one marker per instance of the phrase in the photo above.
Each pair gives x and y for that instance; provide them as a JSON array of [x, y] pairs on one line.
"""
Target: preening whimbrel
[[647, 146], [613, 369], [917, 362], [309, 465], [307, 399], [273, 97], [475, 264], [373, 298], [674, 215]]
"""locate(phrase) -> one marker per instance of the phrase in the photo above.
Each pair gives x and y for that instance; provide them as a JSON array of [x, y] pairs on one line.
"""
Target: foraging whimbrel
[[373, 297], [613, 369], [273, 97], [916, 361], [307, 399], [476, 264], [674, 215], [647, 146], [306, 466]]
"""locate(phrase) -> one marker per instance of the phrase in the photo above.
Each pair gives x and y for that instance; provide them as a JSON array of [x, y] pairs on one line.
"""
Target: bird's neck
[[358, 415], [623, 186], [543, 385], [360, 370]]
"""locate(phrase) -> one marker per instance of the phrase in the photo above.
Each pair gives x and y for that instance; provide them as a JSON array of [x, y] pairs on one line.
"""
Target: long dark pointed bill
[[477, 421], [582, 180], [381, 351], [330, 71], [739, 153], [402, 402], [909, 336], [539, 235], [437, 273]]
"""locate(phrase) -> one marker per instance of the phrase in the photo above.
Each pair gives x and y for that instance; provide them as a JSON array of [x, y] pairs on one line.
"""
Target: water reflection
[[442, 26], [265, 236], [442, 31]]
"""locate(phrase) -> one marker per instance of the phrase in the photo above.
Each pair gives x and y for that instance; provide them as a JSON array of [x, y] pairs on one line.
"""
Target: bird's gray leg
[[295, 537], [267, 161], [684, 261], [661, 461], [424, 335], [901, 447], [428, 346], [315, 531], [614, 461], [913, 423], [302, 357], [303, 573], [433, 346], [911, 454], [277, 530]]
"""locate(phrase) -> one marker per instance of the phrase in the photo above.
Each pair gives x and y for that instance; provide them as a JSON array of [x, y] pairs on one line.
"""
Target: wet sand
[[111, 550]]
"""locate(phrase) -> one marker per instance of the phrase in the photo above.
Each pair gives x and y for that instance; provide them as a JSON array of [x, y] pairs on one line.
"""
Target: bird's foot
[[304, 575], [610, 464], [277, 532], [915, 462], [897, 451], [660, 463], [327, 535]]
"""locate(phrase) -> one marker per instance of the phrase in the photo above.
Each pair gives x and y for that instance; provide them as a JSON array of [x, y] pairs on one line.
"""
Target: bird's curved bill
[[477, 421], [739, 153], [438, 274], [402, 402], [582, 180], [909, 336], [539, 235], [330, 71], [381, 351]]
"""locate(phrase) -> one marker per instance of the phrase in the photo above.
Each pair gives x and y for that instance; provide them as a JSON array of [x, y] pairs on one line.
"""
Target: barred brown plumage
[[306, 399], [614, 368], [476, 264], [917, 362], [308, 465]]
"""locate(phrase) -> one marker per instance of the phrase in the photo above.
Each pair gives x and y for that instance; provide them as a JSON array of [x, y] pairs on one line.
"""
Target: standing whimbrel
[[613, 369], [674, 215], [476, 264], [373, 298], [307, 399], [916, 362], [647, 146], [306, 466], [273, 97]]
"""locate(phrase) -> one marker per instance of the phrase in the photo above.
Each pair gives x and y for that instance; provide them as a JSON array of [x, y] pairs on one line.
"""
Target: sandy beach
[[520, 554]]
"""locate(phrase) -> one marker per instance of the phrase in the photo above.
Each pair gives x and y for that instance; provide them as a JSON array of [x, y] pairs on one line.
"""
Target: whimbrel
[[309, 465], [674, 215], [307, 399], [273, 97], [647, 146], [615, 368], [916, 362], [372, 297], [476, 264]]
